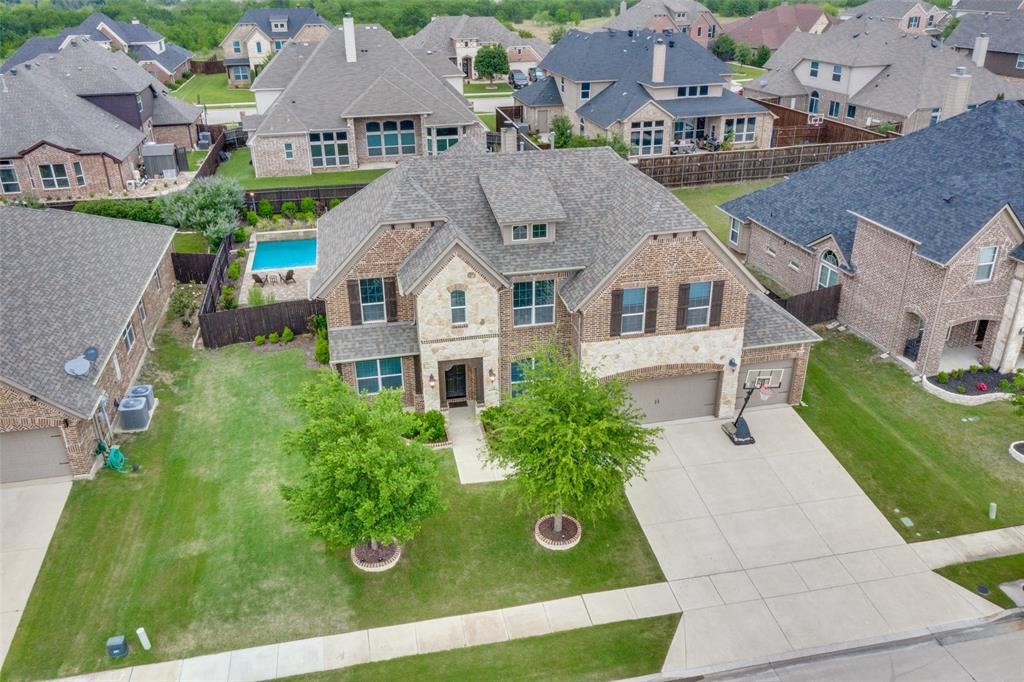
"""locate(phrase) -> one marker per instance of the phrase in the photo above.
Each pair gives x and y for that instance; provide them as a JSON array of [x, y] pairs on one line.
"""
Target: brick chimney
[[958, 89], [622, 7], [658, 67], [509, 138], [348, 27], [980, 50]]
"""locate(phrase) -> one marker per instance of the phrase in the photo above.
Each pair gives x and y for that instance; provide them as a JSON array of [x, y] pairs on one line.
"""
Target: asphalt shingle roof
[[90, 69], [171, 58], [297, 17], [169, 110], [439, 64], [771, 27], [86, 290], [1018, 252], [541, 93], [643, 13], [987, 5], [1005, 31], [769, 324], [516, 195], [937, 186], [441, 33], [728, 103], [371, 341], [282, 69], [889, 9], [129, 32]]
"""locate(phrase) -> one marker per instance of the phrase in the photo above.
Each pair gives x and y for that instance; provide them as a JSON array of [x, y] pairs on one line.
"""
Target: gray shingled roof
[[769, 324], [610, 208], [1005, 32], [439, 64], [516, 195], [297, 18], [640, 14], [32, 48], [171, 58], [90, 69], [169, 110], [371, 341], [282, 68], [916, 70], [385, 79], [439, 35], [1018, 252], [888, 9], [937, 186], [129, 32], [85, 291], [541, 93], [987, 5], [728, 103]]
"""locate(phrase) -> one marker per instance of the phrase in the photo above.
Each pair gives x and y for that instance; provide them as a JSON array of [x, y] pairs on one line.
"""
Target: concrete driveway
[[773, 548], [29, 513]]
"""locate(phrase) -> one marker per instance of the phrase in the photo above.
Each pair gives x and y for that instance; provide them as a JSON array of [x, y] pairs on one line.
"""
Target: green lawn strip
[[987, 572], [239, 168], [705, 199], [490, 120], [485, 89], [603, 652], [908, 449], [190, 242], [746, 71], [195, 159], [198, 549], [212, 89]]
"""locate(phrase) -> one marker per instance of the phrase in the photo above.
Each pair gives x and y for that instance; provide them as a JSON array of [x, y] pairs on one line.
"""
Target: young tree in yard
[[743, 54], [364, 484], [209, 205], [762, 55], [491, 60], [557, 33], [724, 46], [572, 440], [561, 126]]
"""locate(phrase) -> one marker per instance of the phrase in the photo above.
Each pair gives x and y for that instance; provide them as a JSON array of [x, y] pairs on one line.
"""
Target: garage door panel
[[30, 455], [781, 395], [682, 397]]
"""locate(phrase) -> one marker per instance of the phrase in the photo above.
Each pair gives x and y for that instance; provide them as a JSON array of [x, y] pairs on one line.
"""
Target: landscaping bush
[[289, 208], [241, 253], [126, 209], [973, 369], [961, 389], [260, 340], [428, 427], [322, 352], [252, 218], [942, 378], [273, 338], [209, 205], [184, 302], [307, 205], [333, 203], [1004, 385], [235, 269], [258, 297], [264, 209], [287, 335], [186, 74], [241, 234], [228, 301]]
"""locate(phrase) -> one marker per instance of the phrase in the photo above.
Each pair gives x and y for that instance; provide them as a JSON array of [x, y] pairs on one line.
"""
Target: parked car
[[517, 79]]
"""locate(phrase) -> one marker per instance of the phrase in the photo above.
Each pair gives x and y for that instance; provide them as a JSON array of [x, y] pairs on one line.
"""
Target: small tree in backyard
[[562, 127], [743, 54], [762, 55], [572, 440], [724, 46], [365, 484], [491, 60], [208, 205], [557, 33]]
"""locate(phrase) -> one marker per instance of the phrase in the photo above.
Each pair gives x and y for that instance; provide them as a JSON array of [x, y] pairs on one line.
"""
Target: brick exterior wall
[[268, 157], [162, 75], [347, 370], [103, 175], [180, 135], [798, 353], [778, 266]]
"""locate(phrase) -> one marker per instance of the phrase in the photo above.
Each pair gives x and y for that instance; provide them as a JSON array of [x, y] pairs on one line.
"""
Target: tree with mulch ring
[[366, 487], [572, 441]]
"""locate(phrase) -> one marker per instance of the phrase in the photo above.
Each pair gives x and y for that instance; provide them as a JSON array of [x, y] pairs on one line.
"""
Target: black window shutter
[[390, 299], [717, 291], [683, 306], [616, 312], [355, 311], [651, 313]]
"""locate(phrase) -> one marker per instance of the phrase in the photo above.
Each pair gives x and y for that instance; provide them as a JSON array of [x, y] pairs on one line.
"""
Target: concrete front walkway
[[469, 448], [29, 513], [972, 547], [773, 548]]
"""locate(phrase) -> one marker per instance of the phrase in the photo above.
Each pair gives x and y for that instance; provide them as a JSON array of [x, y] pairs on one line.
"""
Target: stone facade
[[103, 175]]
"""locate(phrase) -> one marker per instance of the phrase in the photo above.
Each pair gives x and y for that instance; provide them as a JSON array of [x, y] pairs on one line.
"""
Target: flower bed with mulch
[[978, 382]]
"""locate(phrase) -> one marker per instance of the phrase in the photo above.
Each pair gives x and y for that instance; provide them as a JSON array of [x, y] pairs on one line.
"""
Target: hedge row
[[126, 209]]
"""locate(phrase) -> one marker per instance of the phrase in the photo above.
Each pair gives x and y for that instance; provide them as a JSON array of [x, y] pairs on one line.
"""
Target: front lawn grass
[[908, 449], [988, 572], [240, 168], [604, 652], [190, 242], [212, 88], [490, 120], [704, 200], [498, 88], [198, 549], [745, 70]]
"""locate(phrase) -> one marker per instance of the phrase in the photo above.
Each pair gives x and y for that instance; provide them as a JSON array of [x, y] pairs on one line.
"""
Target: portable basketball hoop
[[765, 392], [738, 431]]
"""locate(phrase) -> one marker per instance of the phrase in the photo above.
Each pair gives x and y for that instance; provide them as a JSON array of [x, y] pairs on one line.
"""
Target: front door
[[455, 383], [979, 333], [467, 63]]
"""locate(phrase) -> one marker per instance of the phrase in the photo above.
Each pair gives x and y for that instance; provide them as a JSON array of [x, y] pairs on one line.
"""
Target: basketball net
[[764, 391]]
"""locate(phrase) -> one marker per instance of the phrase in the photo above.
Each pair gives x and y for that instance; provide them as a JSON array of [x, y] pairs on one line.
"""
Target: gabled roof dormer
[[524, 205], [279, 24]]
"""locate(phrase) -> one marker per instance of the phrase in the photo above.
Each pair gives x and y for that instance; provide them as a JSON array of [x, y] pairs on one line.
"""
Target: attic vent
[[935, 43], [948, 198], [856, 34], [859, 15]]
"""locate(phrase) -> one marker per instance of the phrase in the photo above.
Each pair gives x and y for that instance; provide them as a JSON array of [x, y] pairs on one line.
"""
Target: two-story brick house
[[655, 91], [357, 98], [681, 17], [261, 32], [105, 287], [924, 234], [910, 16], [443, 276], [100, 108]]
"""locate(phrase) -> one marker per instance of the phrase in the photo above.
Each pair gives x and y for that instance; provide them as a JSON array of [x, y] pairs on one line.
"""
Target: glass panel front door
[[455, 382]]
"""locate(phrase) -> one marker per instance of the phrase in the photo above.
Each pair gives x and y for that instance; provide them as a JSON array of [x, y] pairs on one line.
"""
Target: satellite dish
[[77, 367], [91, 353]]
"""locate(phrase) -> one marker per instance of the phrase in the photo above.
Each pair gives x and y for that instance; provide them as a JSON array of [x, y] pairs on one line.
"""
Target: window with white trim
[[79, 174], [54, 175], [391, 138], [278, 26], [289, 151], [814, 69], [698, 309], [458, 304], [138, 102], [329, 148], [634, 307], [986, 264], [373, 376], [533, 302], [9, 178], [814, 102], [646, 138], [240, 73], [517, 375], [128, 336], [756, 377], [540, 231], [742, 128], [259, 47], [584, 91], [851, 111], [1020, 61], [914, 22], [833, 108], [156, 280], [371, 300], [441, 139], [141, 308], [828, 271], [734, 231], [837, 73], [236, 46]]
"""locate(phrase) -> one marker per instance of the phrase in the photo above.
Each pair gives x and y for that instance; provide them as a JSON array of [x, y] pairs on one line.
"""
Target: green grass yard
[[604, 652], [197, 547], [489, 121], [908, 449], [988, 572], [497, 88], [195, 159], [240, 168], [213, 89], [746, 71], [190, 242], [703, 201]]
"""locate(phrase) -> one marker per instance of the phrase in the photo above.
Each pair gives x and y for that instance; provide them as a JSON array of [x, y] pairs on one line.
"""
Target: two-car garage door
[[28, 455], [694, 395]]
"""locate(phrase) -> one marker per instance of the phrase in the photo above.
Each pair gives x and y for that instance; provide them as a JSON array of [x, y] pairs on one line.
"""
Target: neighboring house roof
[[441, 34], [1018, 253], [541, 93], [992, 6], [86, 291], [297, 17], [32, 48], [889, 9], [385, 80], [769, 324], [439, 64], [170, 59], [89, 69], [772, 27], [609, 209], [169, 110], [127, 31], [914, 75], [282, 69], [651, 14], [1005, 32], [371, 341], [936, 186]]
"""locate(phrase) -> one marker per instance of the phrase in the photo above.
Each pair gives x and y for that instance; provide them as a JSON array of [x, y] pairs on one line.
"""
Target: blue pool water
[[289, 253]]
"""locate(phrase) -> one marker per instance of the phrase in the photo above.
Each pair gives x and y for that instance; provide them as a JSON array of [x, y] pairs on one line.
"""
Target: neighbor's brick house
[[679, 17], [923, 233], [261, 33], [443, 276], [50, 422]]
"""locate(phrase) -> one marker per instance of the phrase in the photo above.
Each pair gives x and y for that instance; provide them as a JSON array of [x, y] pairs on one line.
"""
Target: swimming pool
[[288, 253]]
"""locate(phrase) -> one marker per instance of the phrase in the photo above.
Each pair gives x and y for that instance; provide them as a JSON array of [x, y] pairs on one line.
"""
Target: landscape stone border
[[1013, 451], [959, 399], [557, 545], [377, 566]]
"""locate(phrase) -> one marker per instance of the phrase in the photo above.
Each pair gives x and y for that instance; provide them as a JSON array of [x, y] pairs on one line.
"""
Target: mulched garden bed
[[569, 529], [970, 381], [367, 555]]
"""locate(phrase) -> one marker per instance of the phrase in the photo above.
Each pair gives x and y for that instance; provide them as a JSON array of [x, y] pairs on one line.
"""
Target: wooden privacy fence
[[791, 127], [241, 325], [322, 195], [192, 267], [212, 160], [503, 115], [207, 67], [744, 165], [814, 307]]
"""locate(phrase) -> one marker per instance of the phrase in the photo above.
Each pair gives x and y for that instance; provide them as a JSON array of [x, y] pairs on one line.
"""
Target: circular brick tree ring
[[1017, 450], [543, 532], [379, 565]]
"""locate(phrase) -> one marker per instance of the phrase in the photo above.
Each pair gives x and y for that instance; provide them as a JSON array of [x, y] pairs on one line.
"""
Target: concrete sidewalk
[[961, 549]]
